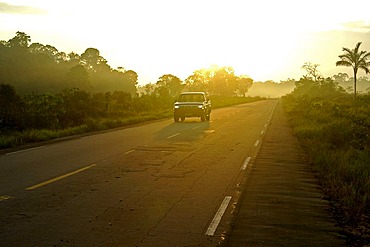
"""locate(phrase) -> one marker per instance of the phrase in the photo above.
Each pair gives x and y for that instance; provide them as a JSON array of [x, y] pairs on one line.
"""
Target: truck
[[192, 104]]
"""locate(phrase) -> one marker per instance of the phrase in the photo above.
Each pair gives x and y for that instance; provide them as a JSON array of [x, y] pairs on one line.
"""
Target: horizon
[[266, 40]]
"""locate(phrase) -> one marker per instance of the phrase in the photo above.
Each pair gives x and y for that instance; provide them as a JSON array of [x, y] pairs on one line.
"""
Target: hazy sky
[[265, 39]]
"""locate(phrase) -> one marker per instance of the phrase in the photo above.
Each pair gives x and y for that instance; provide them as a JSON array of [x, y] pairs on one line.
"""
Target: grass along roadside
[[18, 138], [335, 134]]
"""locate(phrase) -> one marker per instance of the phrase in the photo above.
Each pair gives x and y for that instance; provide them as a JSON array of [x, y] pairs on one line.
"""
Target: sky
[[264, 39]]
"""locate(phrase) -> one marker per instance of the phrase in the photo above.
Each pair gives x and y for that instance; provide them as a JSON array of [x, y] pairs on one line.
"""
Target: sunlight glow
[[263, 39]]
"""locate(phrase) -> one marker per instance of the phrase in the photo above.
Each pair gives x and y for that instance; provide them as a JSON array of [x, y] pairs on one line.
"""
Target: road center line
[[130, 151], [262, 132], [59, 178], [4, 198], [216, 220], [244, 166], [256, 143], [173, 136], [25, 150]]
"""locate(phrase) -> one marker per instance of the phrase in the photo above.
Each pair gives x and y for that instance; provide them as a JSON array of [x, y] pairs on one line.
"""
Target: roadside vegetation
[[334, 128], [41, 117], [47, 94]]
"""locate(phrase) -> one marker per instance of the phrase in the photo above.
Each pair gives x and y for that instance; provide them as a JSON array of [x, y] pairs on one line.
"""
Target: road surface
[[158, 184]]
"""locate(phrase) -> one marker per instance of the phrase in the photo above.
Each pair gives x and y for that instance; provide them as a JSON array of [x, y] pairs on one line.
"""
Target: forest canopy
[[34, 67], [43, 68]]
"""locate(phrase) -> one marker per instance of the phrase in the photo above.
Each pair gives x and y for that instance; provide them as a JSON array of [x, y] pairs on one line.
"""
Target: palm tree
[[355, 59]]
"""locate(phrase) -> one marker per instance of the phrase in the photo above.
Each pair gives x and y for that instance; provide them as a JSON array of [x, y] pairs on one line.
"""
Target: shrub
[[335, 133]]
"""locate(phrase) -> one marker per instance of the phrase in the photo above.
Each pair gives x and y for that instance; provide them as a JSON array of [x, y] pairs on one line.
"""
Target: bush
[[335, 132]]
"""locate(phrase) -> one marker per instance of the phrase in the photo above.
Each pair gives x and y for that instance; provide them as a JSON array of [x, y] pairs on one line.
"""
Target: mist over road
[[158, 184]]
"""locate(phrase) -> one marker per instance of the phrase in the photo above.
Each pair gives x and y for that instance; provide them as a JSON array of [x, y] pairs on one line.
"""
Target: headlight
[[200, 106], [177, 107]]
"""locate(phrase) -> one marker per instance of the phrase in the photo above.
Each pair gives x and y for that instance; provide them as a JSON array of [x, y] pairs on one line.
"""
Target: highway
[[155, 184]]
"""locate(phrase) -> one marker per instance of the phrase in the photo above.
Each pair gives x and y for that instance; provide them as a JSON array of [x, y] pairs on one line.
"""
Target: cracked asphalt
[[157, 184]]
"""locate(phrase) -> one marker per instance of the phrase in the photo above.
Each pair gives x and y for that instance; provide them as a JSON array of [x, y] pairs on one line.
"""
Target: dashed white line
[[5, 198], [173, 136], [262, 132], [25, 150], [256, 143], [245, 164], [216, 220], [58, 178], [130, 151]]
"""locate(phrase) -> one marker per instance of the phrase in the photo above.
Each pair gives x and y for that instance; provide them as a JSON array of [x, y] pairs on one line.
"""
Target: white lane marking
[[58, 178], [195, 127], [216, 220], [173, 136], [25, 150], [4, 198], [244, 166], [256, 143], [262, 132], [130, 151], [265, 125]]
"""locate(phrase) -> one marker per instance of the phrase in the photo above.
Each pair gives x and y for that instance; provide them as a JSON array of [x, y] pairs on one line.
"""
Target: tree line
[[42, 68], [42, 87], [34, 67]]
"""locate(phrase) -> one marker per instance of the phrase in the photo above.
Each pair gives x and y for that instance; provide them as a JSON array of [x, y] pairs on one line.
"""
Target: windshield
[[191, 98]]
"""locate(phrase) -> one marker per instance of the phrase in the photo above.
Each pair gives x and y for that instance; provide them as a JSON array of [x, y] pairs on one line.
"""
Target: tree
[[341, 77], [244, 83], [93, 61], [198, 81], [21, 39], [131, 77], [11, 111], [78, 77], [170, 84], [312, 70], [223, 81], [355, 59], [73, 58]]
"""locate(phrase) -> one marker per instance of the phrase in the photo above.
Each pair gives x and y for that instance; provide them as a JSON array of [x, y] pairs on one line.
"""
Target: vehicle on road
[[192, 104]]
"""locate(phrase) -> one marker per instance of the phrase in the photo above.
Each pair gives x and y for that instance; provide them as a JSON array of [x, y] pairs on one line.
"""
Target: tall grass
[[18, 138], [335, 133]]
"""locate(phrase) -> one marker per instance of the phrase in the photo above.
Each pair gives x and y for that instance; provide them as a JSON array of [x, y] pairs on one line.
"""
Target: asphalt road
[[158, 184]]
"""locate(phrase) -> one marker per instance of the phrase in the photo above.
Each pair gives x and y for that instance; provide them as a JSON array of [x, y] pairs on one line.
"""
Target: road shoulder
[[282, 203]]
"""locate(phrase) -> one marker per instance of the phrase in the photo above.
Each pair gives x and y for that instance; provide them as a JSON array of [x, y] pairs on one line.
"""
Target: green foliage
[[169, 86], [335, 131], [11, 110], [39, 117], [218, 81], [317, 88], [357, 60], [42, 68], [62, 92]]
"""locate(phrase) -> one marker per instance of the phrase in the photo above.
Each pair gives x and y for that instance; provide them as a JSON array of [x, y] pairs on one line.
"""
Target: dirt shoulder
[[282, 202]]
